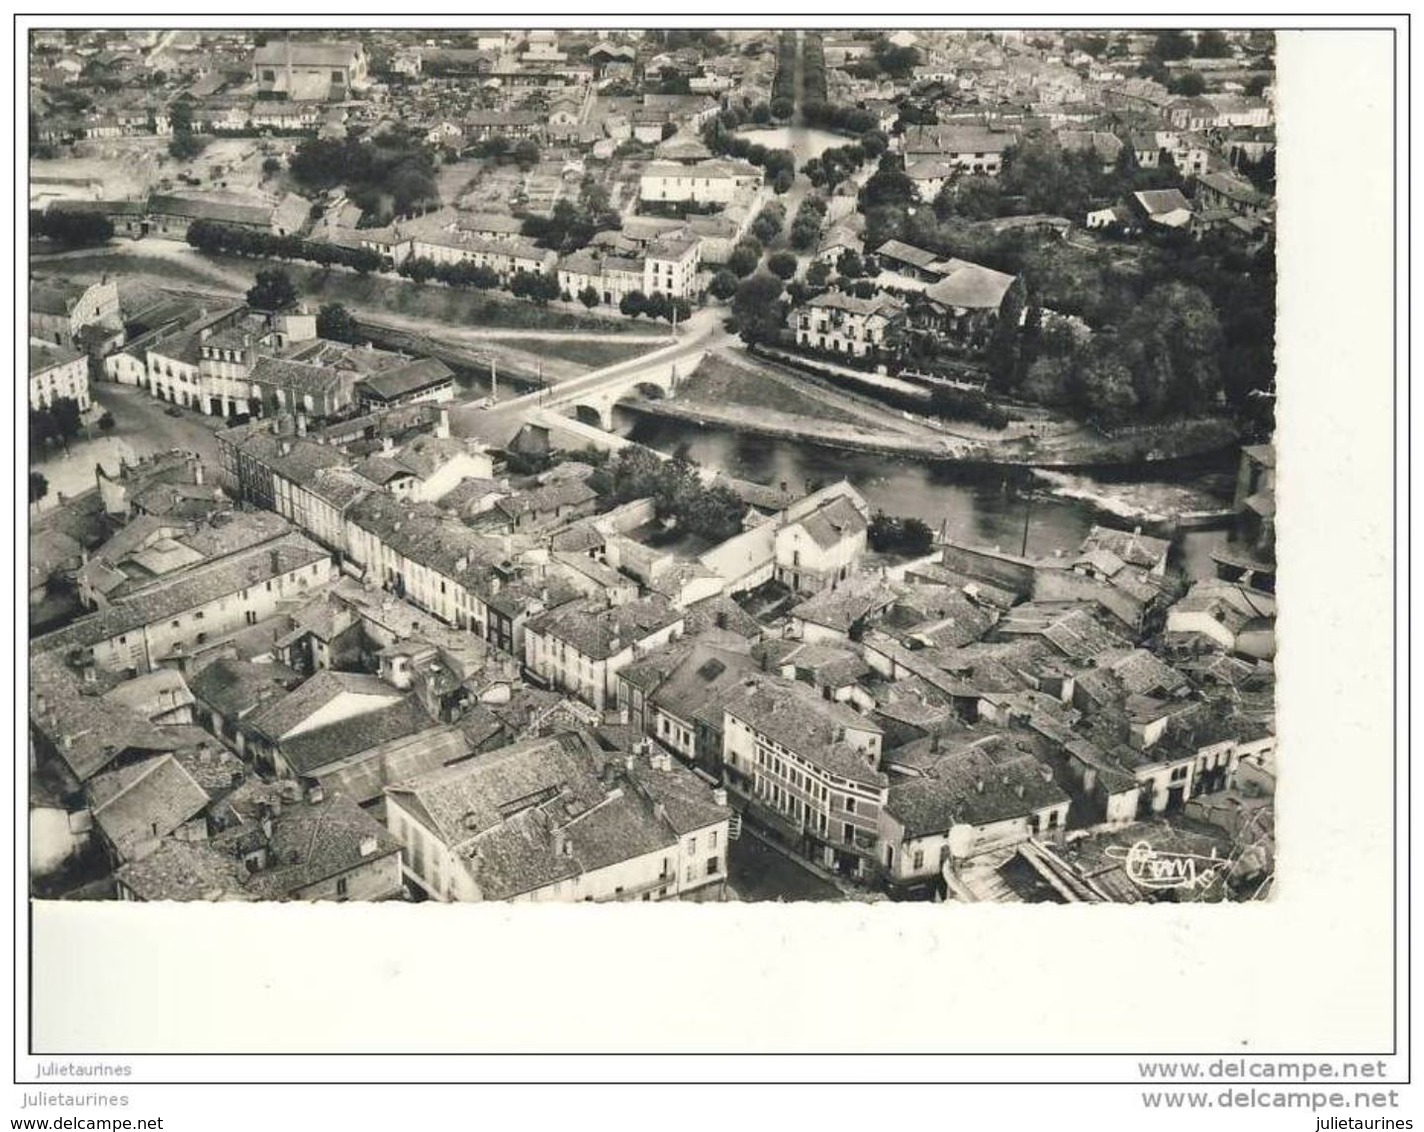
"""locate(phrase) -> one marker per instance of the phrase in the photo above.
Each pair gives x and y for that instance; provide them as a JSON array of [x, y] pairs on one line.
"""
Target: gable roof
[[136, 805]]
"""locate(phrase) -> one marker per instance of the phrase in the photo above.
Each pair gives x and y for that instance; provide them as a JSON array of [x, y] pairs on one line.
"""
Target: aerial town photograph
[[652, 465]]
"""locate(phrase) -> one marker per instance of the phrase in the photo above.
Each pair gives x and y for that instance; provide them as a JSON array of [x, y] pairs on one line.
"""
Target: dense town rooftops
[[797, 718], [602, 633], [194, 588]]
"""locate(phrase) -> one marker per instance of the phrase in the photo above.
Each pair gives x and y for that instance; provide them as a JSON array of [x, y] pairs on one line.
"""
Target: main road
[[700, 333]]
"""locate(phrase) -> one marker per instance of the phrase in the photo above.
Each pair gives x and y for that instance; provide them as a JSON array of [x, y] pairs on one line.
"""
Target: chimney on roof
[[388, 446], [719, 795], [979, 786], [1019, 790], [315, 795], [285, 446], [369, 846], [301, 423], [442, 430], [274, 559], [562, 848], [198, 471]]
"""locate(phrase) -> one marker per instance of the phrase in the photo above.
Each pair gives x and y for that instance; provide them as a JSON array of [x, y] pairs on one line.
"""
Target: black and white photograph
[[815, 475], [652, 465]]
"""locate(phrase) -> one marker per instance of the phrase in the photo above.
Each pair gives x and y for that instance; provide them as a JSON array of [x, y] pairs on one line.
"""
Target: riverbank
[[1196, 439]]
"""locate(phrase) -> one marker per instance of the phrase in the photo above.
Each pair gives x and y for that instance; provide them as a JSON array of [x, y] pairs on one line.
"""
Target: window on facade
[[340, 886], [850, 805], [691, 845], [849, 833], [919, 859], [691, 872], [712, 840], [712, 866]]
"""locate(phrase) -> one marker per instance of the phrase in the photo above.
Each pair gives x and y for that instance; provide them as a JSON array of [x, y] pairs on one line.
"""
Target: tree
[[744, 258], [782, 181], [974, 198], [526, 153], [850, 264], [1173, 342], [271, 166], [888, 185], [1107, 387], [1171, 45], [274, 291], [107, 422], [335, 322], [1256, 85], [723, 285], [782, 264], [916, 538], [818, 274], [1188, 85], [758, 308], [1002, 355], [782, 108], [768, 224], [180, 116], [186, 146], [1212, 44], [43, 428], [68, 420], [589, 296], [633, 304], [39, 487], [72, 229]]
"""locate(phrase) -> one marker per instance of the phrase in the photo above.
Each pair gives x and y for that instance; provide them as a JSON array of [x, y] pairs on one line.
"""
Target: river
[[975, 504]]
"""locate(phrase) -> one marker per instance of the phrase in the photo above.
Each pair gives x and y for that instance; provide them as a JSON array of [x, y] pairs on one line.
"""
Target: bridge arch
[[594, 414]]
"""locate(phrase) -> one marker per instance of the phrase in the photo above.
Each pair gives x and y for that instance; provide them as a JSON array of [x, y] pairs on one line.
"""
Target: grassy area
[[718, 381], [123, 261], [595, 355]]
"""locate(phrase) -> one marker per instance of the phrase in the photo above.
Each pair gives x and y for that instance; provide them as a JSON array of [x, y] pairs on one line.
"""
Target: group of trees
[[387, 175], [184, 144], [758, 307], [335, 323], [813, 69], [542, 287], [655, 306], [891, 535], [886, 58], [1163, 362], [718, 135], [72, 229], [806, 225], [523, 153], [572, 224], [836, 164], [210, 236], [769, 221], [783, 84], [462, 275], [678, 493], [852, 120], [60, 421]]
